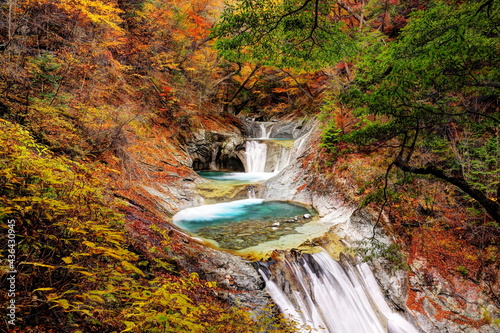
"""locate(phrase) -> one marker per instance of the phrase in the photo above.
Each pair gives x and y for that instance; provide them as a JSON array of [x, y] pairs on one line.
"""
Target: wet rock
[[252, 233], [290, 129], [278, 155]]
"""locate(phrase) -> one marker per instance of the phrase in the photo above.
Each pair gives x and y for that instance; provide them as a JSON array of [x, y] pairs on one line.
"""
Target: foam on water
[[256, 154], [335, 298], [216, 211], [221, 218]]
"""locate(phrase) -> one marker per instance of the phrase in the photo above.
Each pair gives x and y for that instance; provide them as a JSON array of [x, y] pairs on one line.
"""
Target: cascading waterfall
[[313, 289], [335, 298], [257, 151], [263, 131]]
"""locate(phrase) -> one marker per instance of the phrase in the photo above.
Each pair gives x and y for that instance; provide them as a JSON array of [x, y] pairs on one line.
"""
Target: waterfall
[[251, 193], [263, 158], [256, 154], [264, 134], [333, 298], [264, 154]]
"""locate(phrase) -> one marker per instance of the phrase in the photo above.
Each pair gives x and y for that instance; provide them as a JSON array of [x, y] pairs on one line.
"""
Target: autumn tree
[[287, 43], [284, 34], [434, 88]]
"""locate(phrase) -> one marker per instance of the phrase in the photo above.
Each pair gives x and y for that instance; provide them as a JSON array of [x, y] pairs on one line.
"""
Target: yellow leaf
[[64, 303], [89, 244], [67, 260], [128, 266], [37, 264], [130, 326], [43, 289], [96, 298]]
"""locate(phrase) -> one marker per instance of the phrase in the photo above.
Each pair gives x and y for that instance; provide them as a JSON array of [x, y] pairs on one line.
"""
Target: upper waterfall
[[265, 133], [267, 154], [256, 154]]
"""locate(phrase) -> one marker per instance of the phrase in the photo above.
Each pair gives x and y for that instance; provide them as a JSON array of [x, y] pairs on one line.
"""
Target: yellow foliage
[[98, 12], [80, 254]]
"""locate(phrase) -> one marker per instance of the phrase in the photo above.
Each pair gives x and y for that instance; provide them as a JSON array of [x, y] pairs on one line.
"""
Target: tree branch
[[492, 207], [358, 17], [307, 91], [227, 77], [282, 17]]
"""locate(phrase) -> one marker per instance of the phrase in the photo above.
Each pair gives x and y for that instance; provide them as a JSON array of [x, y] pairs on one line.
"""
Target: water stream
[[236, 178], [320, 293], [256, 154]]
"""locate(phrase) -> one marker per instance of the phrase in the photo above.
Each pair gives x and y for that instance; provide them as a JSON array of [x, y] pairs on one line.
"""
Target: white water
[[251, 193], [323, 295], [264, 134], [248, 177], [330, 298], [256, 154]]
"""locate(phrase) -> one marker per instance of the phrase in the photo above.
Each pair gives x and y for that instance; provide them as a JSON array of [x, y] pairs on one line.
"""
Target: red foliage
[[166, 91]]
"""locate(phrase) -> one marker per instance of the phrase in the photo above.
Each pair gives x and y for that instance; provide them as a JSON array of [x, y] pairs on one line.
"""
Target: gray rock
[[216, 151]]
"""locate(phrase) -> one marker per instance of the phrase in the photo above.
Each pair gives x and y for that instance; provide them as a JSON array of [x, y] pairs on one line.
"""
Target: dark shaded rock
[[216, 151]]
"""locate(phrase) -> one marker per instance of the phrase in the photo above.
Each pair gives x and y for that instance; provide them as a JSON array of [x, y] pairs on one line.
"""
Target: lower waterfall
[[318, 292]]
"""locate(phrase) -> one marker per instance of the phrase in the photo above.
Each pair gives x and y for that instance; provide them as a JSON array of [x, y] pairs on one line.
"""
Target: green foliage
[[433, 91], [44, 70], [379, 196], [462, 270], [330, 137], [290, 33], [416, 80]]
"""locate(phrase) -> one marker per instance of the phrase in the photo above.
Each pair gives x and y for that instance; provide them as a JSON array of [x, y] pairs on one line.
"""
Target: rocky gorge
[[338, 227]]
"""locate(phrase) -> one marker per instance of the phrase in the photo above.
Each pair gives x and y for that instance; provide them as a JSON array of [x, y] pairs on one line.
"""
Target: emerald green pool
[[243, 223]]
